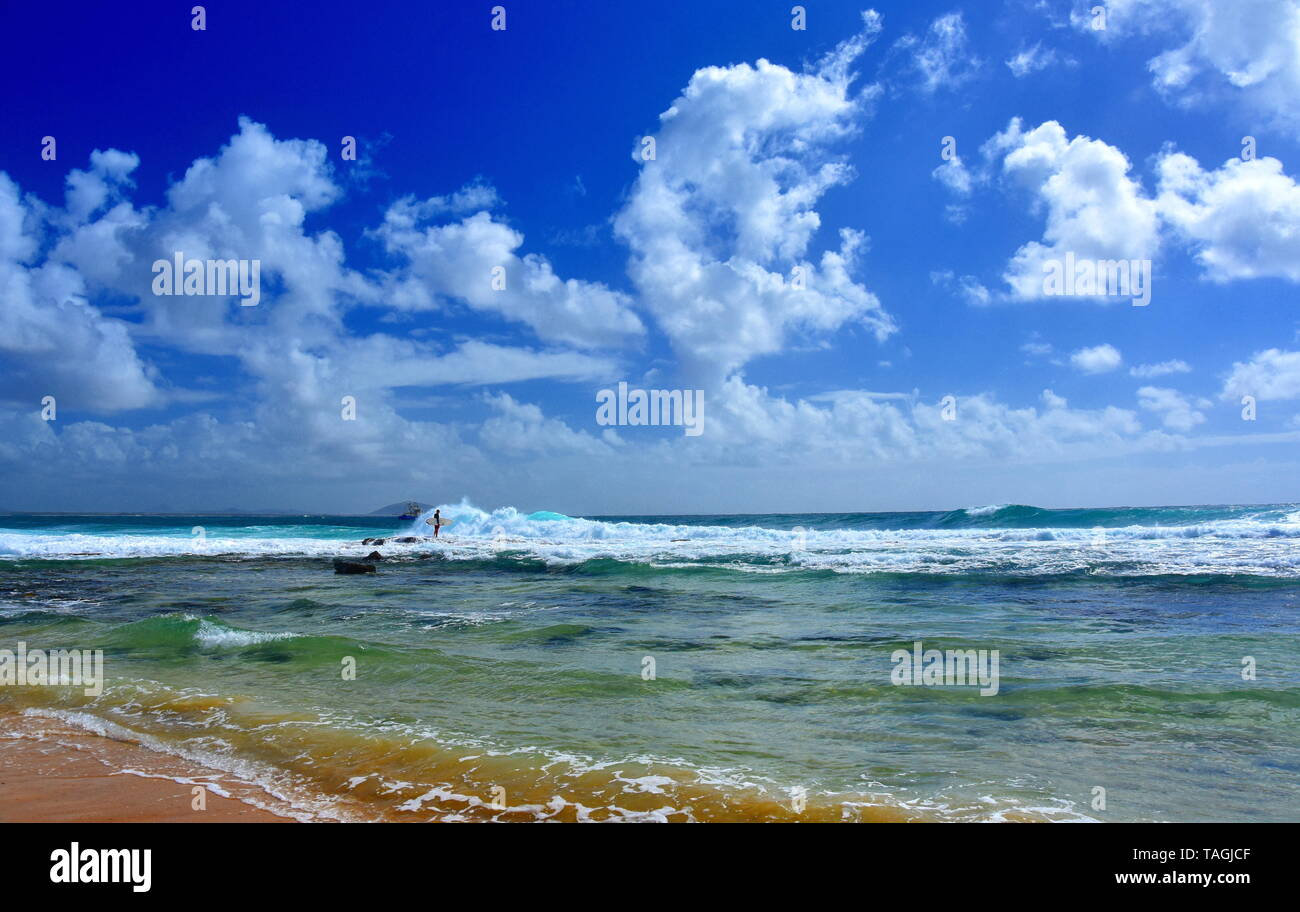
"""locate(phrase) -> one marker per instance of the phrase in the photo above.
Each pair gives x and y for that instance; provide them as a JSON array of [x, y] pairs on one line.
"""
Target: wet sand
[[55, 773]]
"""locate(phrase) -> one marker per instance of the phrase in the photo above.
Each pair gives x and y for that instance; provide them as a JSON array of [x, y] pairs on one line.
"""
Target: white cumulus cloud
[[1093, 208], [1242, 219], [1270, 374], [720, 221], [1098, 359], [1240, 52], [1174, 409]]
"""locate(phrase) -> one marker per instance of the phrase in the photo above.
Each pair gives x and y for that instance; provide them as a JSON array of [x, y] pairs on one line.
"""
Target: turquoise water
[[513, 655]]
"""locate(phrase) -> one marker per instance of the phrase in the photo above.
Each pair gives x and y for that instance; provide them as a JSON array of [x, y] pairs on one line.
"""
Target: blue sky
[[776, 148]]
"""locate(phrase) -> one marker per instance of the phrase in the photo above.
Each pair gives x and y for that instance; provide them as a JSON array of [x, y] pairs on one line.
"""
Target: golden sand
[[54, 773]]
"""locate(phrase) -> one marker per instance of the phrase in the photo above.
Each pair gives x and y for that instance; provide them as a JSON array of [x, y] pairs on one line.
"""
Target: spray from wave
[[1013, 539]]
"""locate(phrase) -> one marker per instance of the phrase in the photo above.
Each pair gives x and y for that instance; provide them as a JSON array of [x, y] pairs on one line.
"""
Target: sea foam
[[1000, 539]]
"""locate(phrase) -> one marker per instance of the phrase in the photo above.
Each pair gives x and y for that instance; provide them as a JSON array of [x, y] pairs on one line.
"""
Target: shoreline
[[53, 772]]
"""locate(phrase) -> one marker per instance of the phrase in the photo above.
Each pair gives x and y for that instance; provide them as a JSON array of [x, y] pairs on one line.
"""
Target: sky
[[834, 221]]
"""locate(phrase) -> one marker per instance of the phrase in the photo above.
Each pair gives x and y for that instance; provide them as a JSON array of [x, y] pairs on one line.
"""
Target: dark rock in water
[[406, 540], [373, 556], [372, 541], [346, 566]]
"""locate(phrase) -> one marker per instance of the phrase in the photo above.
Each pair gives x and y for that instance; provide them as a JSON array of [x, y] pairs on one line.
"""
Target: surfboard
[[443, 522]]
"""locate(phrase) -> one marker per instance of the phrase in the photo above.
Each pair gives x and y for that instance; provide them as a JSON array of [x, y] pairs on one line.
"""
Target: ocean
[[536, 666]]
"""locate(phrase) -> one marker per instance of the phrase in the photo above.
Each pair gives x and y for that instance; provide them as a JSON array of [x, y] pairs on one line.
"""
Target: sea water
[[536, 666]]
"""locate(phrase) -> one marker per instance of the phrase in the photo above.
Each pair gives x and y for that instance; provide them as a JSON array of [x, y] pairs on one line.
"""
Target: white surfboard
[[444, 521]]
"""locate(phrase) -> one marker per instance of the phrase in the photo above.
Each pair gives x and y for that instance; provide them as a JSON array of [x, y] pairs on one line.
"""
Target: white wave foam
[[277, 795], [1258, 544], [985, 511], [214, 635], [1231, 546], [47, 546]]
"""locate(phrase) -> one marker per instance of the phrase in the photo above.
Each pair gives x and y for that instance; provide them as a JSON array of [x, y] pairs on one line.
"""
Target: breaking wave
[[1010, 539]]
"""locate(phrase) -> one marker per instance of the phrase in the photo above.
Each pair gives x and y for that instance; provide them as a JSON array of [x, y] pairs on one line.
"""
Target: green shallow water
[[764, 683], [786, 681]]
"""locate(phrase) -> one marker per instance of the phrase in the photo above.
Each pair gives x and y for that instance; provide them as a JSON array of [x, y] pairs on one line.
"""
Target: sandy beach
[[53, 773], [550, 668]]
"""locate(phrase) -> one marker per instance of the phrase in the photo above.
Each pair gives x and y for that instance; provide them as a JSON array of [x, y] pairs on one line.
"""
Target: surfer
[[437, 521]]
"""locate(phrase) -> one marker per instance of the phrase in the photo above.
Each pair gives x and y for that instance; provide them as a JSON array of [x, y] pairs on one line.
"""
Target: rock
[[347, 566], [406, 540], [373, 556], [372, 541]]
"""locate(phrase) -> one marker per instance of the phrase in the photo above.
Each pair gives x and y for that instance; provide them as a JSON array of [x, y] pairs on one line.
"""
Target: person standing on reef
[[437, 522]]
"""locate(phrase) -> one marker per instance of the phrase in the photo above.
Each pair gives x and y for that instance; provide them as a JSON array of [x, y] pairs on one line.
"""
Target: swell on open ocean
[[501, 673]]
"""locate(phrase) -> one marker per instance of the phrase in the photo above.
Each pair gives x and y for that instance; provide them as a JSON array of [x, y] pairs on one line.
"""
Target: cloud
[[522, 427], [1245, 52], [1093, 209], [1053, 401], [748, 425], [1147, 371], [53, 341], [90, 191], [1036, 58], [249, 201], [941, 58], [968, 287], [1271, 374], [1243, 219], [721, 218], [716, 225], [398, 362], [301, 445], [1174, 409], [474, 197], [953, 175], [456, 261], [1098, 359], [277, 418]]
